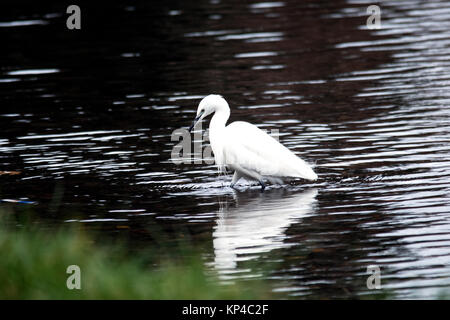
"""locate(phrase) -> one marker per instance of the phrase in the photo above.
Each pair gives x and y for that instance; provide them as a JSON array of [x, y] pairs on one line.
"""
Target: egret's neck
[[216, 130], [218, 121]]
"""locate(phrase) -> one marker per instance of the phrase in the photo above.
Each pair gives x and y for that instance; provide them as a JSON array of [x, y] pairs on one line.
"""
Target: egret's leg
[[252, 175], [263, 186], [236, 178]]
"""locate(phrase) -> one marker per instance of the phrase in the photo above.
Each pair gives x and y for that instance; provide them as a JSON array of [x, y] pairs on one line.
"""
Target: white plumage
[[248, 150]]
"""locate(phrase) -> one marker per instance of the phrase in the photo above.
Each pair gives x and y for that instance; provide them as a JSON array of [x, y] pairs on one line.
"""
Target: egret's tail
[[309, 174], [305, 171]]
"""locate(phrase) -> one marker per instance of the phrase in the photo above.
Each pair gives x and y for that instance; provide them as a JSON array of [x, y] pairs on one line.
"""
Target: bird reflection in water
[[256, 224]]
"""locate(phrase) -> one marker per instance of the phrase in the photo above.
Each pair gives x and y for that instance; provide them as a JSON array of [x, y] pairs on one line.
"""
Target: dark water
[[86, 117]]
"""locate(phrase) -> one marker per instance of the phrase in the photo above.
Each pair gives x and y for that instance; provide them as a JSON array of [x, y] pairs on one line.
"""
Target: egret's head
[[209, 105]]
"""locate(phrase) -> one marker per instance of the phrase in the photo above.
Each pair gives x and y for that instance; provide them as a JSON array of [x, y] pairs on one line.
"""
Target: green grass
[[33, 265]]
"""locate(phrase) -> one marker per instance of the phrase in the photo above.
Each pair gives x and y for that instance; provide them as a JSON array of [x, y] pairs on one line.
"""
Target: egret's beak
[[197, 119]]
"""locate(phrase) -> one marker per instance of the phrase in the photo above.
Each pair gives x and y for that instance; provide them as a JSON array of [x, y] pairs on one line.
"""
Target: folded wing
[[251, 148]]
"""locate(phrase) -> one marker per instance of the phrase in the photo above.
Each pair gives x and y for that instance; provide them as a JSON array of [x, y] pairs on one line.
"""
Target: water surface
[[87, 118]]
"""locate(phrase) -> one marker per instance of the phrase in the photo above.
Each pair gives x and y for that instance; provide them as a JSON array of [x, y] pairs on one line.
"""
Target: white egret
[[246, 149]]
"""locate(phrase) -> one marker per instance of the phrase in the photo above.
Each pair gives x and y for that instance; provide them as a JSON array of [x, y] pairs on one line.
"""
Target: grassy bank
[[33, 265]]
